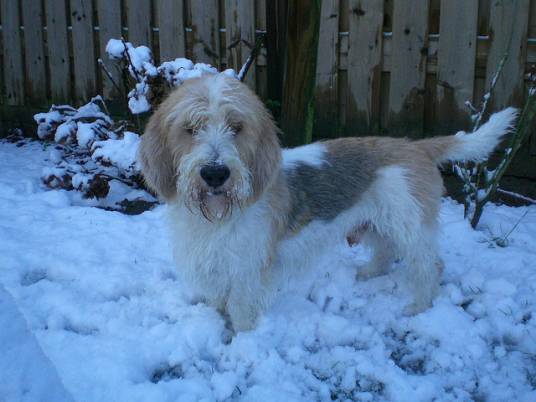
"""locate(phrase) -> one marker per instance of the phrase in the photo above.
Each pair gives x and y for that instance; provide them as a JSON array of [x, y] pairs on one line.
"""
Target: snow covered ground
[[91, 310]]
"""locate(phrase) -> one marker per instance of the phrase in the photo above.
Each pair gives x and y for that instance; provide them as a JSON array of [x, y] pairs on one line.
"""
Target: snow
[[85, 134], [171, 69], [137, 99], [46, 121], [65, 131], [93, 299], [121, 153], [27, 374], [115, 49]]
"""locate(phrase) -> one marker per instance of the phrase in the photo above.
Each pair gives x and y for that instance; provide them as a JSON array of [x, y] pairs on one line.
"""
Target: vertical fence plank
[[342, 76], [508, 29], [139, 22], [260, 65], [483, 16], [85, 78], [532, 20], [58, 50], [206, 38], [170, 15], [456, 63], [508, 33], [326, 91], [297, 112], [365, 20], [532, 34], [32, 14], [12, 48], [240, 35], [434, 14], [408, 69], [276, 16], [109, 18]]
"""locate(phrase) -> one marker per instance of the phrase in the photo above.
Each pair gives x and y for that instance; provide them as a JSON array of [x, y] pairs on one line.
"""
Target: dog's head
[[212, 145]]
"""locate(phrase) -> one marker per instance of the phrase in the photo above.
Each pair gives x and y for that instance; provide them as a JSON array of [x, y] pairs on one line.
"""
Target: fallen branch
[[518, 196]]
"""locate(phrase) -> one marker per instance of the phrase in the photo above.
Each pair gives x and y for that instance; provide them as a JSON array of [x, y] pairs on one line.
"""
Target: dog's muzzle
[[215, 175]]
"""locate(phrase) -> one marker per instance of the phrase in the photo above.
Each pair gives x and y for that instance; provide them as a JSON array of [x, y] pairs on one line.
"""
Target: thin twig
[[109, 75], [252, 57], [125, 181], [488, 96], [127, 54], [515, 226]]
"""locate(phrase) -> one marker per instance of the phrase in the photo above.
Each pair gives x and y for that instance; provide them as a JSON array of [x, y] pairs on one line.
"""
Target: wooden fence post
[[170, 16], [32, 18], [326, 90], [139, 22], [205, 29], [240, 35], [408, 68], [13, 67], [109, 17], [456, 64], [508, 33], [299, 79], [364, 66], [85, 77], [58, 51], [276, 17]]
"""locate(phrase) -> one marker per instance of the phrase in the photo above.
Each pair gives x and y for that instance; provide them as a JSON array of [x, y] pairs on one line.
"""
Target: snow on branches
[[90, 149], [152, 82]]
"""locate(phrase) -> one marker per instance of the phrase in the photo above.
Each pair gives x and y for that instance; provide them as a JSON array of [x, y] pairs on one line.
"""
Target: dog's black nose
[[215, 175]]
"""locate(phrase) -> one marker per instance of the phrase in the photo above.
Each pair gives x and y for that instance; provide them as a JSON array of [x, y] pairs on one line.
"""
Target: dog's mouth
[[217, 193], [216, 205]]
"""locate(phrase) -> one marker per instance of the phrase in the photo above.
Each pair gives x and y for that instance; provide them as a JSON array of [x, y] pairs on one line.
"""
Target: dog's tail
[[471, 146]]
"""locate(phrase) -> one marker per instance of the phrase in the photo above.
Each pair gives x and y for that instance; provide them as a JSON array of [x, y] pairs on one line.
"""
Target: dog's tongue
[[216, 204]]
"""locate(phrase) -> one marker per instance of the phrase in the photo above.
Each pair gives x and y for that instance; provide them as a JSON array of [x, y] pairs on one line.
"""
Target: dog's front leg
[[247, 299]]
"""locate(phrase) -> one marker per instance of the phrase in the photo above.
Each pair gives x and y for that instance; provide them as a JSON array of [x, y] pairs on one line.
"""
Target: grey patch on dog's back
[[323, 192]]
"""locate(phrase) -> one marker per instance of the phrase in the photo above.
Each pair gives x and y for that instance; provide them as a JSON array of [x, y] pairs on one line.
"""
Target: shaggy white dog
[[241, 208]]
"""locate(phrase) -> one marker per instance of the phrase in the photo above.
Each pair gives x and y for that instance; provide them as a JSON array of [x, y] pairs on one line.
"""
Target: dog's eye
[[235, 127], [190, 130]]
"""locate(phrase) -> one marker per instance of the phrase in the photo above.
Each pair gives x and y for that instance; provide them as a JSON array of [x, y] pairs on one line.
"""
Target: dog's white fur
[[229, 242]]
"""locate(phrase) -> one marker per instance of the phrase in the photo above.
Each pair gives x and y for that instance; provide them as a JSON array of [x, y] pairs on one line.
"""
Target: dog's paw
[[415, 308], [241, 325], [364, 275], [370, 271]]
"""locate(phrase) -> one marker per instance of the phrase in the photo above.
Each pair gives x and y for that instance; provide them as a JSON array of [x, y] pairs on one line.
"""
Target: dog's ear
[[267, 157], [156, 159]]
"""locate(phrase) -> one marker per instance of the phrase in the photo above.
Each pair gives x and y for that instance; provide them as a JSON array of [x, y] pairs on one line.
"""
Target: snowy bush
[[152, 83], [90, 149], [67, 125]]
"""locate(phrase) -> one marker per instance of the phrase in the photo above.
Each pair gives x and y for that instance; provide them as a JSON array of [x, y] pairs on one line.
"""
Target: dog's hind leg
[[405, 211], [382, 258], [425, 268]]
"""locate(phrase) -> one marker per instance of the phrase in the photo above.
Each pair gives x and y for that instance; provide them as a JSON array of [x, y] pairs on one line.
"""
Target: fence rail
[[401, 67]]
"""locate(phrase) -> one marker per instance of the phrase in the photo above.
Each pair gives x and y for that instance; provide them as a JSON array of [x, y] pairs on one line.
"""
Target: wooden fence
[[397, 67]]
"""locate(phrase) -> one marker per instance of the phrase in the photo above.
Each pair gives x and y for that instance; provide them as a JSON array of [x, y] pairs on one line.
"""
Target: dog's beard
[[215, 205]]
